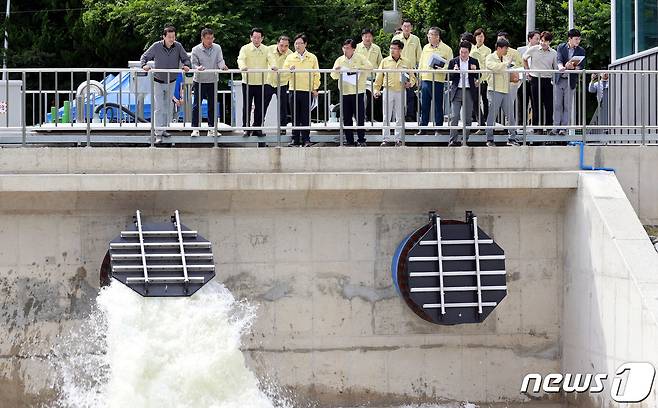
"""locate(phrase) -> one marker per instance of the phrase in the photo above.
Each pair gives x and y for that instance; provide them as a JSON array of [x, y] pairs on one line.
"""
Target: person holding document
[[570, 56], [463, 90], [435, 56], [351, 71]]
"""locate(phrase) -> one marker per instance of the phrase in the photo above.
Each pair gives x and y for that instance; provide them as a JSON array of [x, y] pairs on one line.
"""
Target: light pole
[[571, 25], [531, 7], [4, 60]]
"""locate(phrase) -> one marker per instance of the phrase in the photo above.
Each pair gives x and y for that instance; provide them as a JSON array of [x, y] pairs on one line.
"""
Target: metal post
[[56, 101], [571, 14], [215, 110], [71, 96], [23, 118], [341, 100], [439, 258], [642, 103], [583, 113], [403, 109], [278, 108], [4, 60], [105, 102], [463, 107], [41, 117], [530, 16], [120, 113], [524, 92], [88, 102], [477, 263], [151, 79], [262, 104]]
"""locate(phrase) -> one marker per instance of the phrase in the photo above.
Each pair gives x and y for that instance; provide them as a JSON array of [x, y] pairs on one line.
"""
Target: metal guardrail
[[27, 119]]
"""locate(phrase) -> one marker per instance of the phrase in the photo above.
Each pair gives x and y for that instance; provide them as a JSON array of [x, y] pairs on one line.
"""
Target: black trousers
[[411, 104], [203, 91], [354, 106], [543, 105], [373, 108], [252, 94], [301, 114], [282, 92], [520, 104], [484, 112]]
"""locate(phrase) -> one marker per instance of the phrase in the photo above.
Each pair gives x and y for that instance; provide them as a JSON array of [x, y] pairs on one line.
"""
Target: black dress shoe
[[257, 133], [246, 133]]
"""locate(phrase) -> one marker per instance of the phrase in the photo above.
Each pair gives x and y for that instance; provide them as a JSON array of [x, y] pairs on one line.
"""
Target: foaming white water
[[160, 352]]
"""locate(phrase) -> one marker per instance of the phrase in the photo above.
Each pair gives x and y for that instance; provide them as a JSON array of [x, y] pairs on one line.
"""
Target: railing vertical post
[[403, 110], [41, 116], [524, 104], [463, 107], [326, 105], [23, 118], [278, 108], [105, 102], [90, 113], [152, 81], [56, 102], [341, 100], [645, 85], [71, 96], [120, 113], [583, 112], [263, 112], [215, 110], [6, 75]]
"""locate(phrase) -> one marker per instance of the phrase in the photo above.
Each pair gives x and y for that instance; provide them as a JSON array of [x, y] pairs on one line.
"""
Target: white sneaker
[[213, 133], [195, 133]]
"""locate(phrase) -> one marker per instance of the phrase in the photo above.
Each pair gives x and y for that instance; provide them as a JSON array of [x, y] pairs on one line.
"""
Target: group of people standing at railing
[[550, 95]]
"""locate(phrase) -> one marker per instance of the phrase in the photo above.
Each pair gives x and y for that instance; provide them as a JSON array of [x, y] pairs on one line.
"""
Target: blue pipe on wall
[[583, 166]]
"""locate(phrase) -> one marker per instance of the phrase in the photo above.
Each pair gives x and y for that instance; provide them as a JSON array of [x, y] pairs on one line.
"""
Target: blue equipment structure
[[127, 98]]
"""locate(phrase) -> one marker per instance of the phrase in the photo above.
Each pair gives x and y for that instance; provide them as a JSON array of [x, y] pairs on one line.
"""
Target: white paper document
[[349, 78]]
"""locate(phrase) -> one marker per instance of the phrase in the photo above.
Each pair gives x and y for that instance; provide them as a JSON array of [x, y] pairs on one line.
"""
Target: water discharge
[[160, 352]]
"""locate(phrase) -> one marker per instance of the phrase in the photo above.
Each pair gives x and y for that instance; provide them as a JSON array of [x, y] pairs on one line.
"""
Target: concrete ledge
[[288, 182], [101, 160]]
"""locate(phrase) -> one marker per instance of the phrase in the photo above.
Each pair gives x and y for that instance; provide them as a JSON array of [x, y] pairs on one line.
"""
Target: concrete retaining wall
[[610, 285], [312, 246], [330, 325]]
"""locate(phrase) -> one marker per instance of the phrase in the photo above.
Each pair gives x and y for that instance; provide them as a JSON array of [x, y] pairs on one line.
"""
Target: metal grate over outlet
[[450, 272], [161, 259]]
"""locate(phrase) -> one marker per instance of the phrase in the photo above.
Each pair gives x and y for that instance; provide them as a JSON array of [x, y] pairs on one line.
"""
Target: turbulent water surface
[[160, 352]]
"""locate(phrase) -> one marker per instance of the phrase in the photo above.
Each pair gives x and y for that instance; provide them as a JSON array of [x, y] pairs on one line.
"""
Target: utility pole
[[531, 7], [4, 60]]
